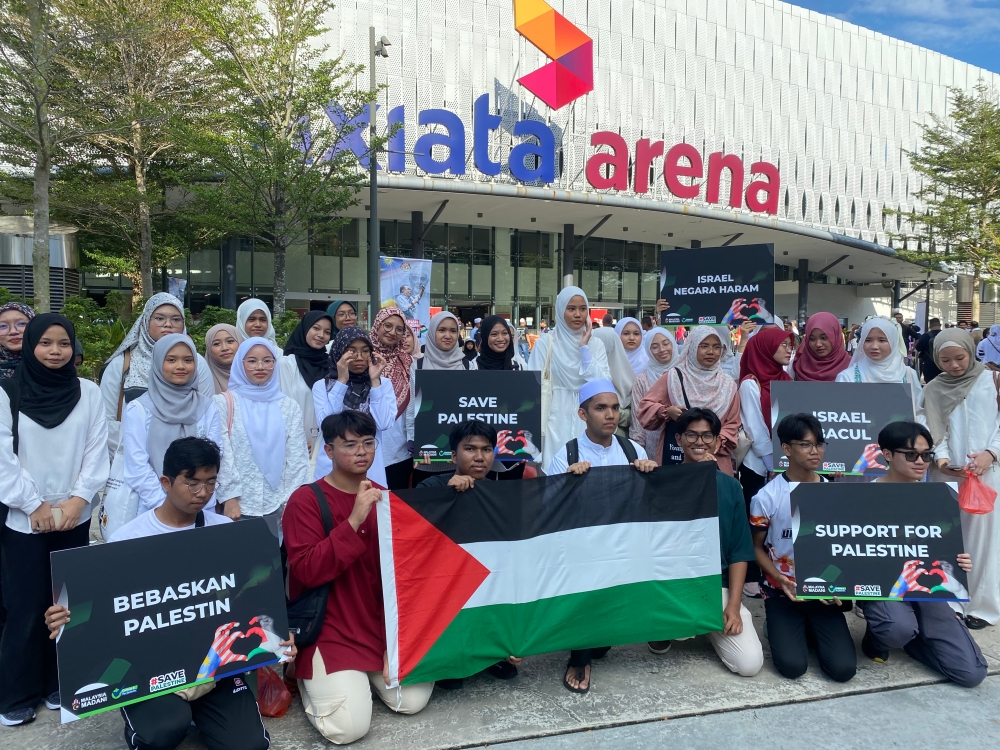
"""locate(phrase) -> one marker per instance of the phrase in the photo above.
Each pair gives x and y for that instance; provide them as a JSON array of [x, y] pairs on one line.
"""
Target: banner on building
[[509, 400], [724, 285], [165, 613], [851, 415], [406, 283], [877, 541]]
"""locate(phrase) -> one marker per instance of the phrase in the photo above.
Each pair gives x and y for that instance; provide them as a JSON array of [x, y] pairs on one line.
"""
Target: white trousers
[[741, 653], [982, 542], [339, 705]]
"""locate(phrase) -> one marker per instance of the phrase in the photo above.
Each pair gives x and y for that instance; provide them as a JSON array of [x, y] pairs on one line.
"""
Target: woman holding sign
[[53, 462], [697, 380], [822, 354], [567, 359], [660, 348], [879, 358], [961, 409]]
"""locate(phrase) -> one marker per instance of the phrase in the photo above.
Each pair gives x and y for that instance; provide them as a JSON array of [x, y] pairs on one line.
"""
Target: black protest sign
[[851, 415], [510, 400], [718, 285], [877, 540], [155, 615]]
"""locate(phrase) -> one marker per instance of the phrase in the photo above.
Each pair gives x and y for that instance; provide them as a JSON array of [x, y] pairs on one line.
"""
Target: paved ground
[[631, 686]]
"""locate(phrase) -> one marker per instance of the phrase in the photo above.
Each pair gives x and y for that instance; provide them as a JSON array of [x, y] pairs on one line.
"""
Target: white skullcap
[[594, 387]]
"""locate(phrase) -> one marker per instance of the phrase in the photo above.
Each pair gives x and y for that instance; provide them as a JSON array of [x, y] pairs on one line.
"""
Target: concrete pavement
[[630, 686]]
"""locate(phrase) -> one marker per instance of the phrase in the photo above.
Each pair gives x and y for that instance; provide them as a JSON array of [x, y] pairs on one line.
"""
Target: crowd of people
[[249, 430]]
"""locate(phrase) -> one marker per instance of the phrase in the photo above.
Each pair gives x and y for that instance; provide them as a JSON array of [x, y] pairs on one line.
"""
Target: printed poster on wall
[[724, 285], [877, 541], [509, 400], [406, 283], [152, 616], [851, 415]]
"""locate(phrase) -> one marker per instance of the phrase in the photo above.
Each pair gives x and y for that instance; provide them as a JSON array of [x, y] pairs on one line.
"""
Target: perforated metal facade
[[834, 106]]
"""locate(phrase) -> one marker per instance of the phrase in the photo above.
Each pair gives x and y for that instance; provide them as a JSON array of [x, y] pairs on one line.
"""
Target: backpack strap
[[230, 411], [126, 363], [199, 520], [14, 396], [630, 452], [465, 363], [420, 363], [572, 452], [324, 507]]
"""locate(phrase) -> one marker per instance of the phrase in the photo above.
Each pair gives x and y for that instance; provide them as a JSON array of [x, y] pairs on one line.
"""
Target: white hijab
[[436, 358], [637, 357], [893, 368], [655, 370], [243, 314], [260, 406], [989, 347], [618, 363], [566, 357]]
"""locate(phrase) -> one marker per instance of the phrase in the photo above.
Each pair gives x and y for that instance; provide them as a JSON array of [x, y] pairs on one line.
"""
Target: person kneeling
[[737, 643], [929, 631], [598, 446], [792, 623], [472, 446], [349, 654], [225, 711]]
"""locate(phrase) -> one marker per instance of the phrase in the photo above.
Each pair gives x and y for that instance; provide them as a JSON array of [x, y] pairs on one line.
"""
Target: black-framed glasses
[[694, 437]]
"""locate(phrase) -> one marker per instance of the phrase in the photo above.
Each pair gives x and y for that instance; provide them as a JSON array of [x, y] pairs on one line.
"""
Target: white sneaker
[[17, 717], [52, 701], [752, 590]]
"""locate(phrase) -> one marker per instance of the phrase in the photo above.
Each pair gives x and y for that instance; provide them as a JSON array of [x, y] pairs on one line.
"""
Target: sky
[[968, 30]]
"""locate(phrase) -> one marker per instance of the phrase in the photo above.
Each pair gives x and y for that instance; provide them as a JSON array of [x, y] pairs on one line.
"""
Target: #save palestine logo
[[570, 75], [167, 681]]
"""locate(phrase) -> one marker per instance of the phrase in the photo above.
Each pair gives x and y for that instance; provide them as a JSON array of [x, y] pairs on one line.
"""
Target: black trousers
[[584, 656], [397, 476], [227, 718], [792, 626], [751, 482], [27, 655]]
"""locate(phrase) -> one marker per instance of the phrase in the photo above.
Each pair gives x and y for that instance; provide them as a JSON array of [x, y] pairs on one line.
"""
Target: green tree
[[279, 148], [958, 227]]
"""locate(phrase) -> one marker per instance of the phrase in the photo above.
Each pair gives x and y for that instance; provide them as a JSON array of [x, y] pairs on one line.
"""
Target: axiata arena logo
[[570, 75]]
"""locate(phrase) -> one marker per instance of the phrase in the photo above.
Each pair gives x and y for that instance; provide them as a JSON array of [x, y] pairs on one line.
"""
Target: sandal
[[975, 623], [581, 675]]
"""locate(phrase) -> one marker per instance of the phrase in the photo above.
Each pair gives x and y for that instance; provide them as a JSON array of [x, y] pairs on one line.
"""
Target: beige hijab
[[945, 392], [220, 373]]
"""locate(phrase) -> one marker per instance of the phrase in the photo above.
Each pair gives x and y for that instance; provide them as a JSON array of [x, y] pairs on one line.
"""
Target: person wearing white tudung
[[622, 375], [126, 375], [660, 349], [171, 408], [254, 319], [879, 358], [961, 409], [263, 435], [988, 351], [570, 357]]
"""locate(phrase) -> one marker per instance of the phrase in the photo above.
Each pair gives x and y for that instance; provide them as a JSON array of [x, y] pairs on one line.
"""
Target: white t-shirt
[[148, 524]]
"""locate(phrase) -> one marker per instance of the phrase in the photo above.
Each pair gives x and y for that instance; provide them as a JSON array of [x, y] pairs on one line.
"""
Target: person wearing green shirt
[[737, 643]]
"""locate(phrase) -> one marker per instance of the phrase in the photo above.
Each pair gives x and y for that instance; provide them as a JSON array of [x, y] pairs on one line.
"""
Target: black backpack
[[573, 450], [307, 611]]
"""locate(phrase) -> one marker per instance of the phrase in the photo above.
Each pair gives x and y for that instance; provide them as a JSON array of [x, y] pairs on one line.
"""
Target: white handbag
[[120, 503], [546, 391]]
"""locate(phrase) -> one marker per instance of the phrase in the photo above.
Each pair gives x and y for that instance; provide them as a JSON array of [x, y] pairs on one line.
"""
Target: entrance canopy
[[640, 220]]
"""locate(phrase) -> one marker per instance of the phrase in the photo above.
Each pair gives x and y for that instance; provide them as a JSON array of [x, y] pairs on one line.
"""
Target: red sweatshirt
[[353, 633]]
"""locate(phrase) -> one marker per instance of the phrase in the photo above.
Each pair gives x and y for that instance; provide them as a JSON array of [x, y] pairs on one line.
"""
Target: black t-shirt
[[925, 348]]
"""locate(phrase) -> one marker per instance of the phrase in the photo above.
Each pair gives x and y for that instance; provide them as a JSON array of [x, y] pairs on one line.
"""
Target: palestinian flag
[[563, 562]]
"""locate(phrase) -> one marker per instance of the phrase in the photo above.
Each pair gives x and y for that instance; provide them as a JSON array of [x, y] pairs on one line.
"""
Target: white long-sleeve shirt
[[139, 472], [293, 386], [853, 374], [257, 497], [381, 406], [755, 425], [596, 454], [973, 427], [111, 388], [70, 460]]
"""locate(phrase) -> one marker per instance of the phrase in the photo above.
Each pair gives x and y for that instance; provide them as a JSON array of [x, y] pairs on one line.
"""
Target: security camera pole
[[376, 50]]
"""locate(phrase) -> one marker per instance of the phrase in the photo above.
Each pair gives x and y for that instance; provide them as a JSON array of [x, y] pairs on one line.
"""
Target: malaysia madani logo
[[570, 74]]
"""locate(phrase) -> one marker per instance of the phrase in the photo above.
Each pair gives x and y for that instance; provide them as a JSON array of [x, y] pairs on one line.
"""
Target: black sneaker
[[659, 647], [17, 717], [52, 701], [975, 623], [868, 648], [503, 670]]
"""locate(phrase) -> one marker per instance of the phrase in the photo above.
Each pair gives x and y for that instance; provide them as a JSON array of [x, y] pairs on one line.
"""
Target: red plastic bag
[[974, 496], [273, 698]]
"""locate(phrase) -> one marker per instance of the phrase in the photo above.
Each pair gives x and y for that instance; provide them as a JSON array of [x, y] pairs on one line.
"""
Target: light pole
[[374, 296]]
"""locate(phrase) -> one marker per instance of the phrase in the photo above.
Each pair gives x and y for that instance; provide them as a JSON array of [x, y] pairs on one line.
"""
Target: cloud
[[931, 21]]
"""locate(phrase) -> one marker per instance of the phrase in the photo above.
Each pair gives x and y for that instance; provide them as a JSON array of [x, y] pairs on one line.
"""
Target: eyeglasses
[[259, 364], [18, 327], [162, 320], [805, 445], [389, 327], [786, 345], [694, 437], [912, 456], [194, 489], [351, 446]]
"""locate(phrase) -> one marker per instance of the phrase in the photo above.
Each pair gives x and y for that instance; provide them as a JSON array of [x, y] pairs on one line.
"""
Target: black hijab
[[489, 359], [469, 350], [313, 364], [359, 384], [44, 395]]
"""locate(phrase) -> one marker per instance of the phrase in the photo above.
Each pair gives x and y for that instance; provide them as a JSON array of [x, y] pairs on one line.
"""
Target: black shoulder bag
[[672, 451], [307, 610]]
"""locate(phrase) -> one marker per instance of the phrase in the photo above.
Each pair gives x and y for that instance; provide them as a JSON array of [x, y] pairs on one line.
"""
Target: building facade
[[707, 122]]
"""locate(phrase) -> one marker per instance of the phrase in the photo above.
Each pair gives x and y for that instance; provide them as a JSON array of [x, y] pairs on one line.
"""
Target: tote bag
[[120, 503]]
